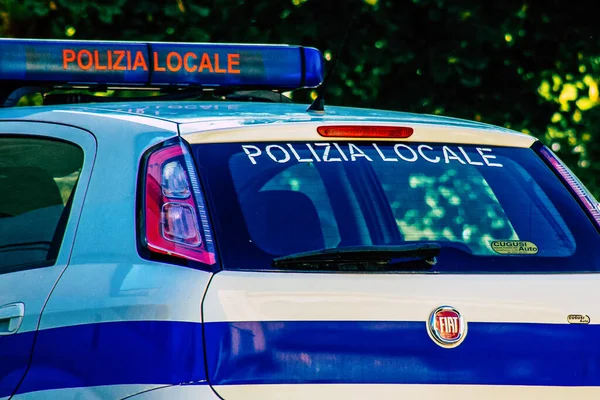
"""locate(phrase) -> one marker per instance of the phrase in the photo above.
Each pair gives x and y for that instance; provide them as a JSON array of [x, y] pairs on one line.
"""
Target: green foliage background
[[533, 66]]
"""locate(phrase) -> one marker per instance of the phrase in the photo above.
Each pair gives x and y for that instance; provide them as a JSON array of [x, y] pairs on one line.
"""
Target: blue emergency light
[[156, 64]]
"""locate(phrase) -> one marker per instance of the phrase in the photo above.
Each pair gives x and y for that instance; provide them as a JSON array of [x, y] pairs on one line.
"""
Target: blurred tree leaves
[[530, 66]]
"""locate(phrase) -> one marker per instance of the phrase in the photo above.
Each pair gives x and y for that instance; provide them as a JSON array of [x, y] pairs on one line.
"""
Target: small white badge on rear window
[[513, 247]]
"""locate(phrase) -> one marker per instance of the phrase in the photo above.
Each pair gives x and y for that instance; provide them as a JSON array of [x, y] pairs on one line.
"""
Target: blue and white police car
[[175, 249]]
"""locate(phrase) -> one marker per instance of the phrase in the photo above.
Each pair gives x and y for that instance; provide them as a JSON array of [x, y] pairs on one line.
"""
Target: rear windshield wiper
[[407, 257]]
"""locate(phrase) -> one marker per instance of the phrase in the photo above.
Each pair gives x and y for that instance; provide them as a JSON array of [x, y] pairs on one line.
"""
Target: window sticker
[[350, 152], [513, 247], [578, 319]]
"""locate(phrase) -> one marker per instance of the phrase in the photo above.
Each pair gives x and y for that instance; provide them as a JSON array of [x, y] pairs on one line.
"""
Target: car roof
[[190, 116]]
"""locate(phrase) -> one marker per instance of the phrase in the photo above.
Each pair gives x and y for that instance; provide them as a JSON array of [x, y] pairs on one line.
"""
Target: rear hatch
[[393, 267]]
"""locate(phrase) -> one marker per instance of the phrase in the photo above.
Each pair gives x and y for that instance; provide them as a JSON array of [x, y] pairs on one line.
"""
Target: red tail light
[[365, 131], [174, 214], [585, 197]]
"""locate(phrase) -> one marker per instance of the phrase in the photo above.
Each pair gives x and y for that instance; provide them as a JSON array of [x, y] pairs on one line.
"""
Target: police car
[[175, 249]]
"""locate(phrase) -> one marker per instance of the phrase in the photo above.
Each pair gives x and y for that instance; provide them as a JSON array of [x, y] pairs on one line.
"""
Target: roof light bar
[[133, 64]]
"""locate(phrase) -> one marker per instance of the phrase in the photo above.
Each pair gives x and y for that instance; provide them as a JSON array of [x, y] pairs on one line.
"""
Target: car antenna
[[318, 105]]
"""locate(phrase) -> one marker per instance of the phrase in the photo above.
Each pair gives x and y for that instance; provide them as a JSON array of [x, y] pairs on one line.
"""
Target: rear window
[[492, 209], [37, 179]]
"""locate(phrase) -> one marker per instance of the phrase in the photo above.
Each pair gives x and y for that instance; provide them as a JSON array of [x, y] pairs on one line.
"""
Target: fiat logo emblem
[[446, 327]]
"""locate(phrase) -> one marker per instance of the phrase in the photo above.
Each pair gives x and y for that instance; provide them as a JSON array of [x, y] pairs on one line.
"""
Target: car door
[[506, 309], [44, 170]]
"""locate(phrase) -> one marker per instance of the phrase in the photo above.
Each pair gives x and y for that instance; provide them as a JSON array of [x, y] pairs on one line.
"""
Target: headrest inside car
[[26, 189], [283, 222]]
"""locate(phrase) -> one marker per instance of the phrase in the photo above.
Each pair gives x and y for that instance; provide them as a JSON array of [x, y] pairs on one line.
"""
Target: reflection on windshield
[[460, 207]]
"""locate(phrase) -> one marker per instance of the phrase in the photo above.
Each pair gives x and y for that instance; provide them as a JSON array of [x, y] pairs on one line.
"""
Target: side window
[[37, 180]]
